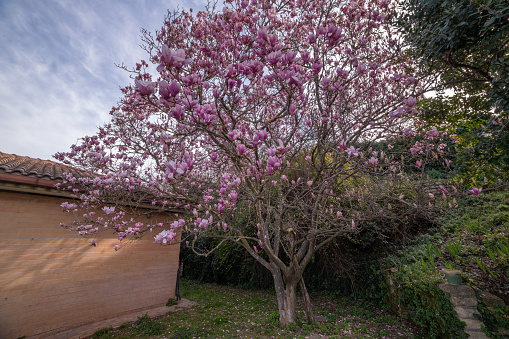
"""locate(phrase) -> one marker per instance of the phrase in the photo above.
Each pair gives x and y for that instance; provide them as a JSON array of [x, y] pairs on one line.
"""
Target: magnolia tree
[[272, 106]]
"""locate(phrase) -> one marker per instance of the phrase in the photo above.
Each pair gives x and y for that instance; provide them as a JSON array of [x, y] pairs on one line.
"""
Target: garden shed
[[51, 280]]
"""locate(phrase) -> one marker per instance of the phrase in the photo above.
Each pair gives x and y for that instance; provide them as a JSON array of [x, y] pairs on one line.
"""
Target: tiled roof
[[45, 169]]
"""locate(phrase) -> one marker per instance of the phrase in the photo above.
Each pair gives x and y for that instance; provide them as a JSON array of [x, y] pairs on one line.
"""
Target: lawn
[[226, 312]]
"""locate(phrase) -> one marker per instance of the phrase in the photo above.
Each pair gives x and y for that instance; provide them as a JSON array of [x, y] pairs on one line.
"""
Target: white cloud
[[58, 78]]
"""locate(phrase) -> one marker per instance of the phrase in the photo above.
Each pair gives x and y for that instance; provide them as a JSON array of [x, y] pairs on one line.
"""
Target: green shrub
[[102, 333], [172, 302], [148, 326], [497, 316], [430, 309], [412, 284]]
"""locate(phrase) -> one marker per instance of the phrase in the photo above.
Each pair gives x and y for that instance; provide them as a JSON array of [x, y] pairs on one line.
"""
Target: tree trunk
[[286, 298], [310, 316]]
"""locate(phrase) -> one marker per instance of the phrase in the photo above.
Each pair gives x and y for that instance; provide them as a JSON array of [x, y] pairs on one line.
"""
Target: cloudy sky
[[58, 78]]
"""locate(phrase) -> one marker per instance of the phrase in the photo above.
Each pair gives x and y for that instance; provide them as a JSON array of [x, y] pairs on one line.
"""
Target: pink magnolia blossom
[[145, 88], [352, 151], [173, 58], [411, 101], [109, 210], [433, 132], [165, 237], [408, 132], [233, 196], [169, 90], [241, 149], [475, 191]]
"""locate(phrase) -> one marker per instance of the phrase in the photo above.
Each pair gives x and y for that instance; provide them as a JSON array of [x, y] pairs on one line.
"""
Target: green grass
[[476, 241], [226, 312]]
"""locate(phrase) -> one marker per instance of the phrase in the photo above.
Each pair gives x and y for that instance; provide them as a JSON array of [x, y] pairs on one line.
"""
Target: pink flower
[[144, 88], [177, 112], [443, 189], [414, 150], [173, 58], [433, 133], [476, 191], [241, 149], [281, 149], [410, 101], [168, 90], [109, 210], [373, 161], [310, 183], [233, 196], [352, 151], [316, 68], [260, 137], [408, 132], [66, 207], [418, 163], [308, 158], [165, 237]]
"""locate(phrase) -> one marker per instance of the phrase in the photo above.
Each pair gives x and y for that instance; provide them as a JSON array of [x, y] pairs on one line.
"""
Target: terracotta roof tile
[[47, 169]]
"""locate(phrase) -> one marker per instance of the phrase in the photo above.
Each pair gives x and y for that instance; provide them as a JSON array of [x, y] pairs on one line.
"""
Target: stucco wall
[[52, 280]]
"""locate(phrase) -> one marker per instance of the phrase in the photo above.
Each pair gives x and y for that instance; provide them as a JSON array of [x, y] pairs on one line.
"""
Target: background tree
[[464, 45], [272, 106]]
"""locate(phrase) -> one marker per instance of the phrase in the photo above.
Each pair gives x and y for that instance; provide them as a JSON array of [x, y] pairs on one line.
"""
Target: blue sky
[[58, 78]]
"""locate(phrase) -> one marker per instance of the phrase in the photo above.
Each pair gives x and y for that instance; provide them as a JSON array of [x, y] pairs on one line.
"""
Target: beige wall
[[52, 280]]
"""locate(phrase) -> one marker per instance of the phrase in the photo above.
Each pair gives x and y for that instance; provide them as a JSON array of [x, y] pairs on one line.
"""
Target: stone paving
[[465, 304], [86, 331]]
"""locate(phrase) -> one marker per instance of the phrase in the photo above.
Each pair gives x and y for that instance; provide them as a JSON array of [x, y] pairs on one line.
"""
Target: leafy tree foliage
[[464, 45]]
